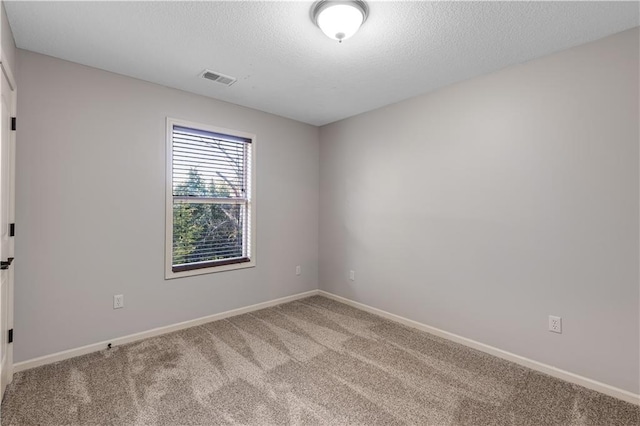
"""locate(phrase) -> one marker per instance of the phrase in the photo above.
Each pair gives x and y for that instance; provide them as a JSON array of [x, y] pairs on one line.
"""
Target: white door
[[7, 154]]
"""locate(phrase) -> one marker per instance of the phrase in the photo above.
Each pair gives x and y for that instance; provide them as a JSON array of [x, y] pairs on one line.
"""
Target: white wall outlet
[[352, 275], [555, 324], [298, 270], [118, 301]]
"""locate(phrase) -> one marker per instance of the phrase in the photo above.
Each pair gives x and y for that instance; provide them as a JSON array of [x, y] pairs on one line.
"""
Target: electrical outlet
[[298, 270], [352, 275], [555, 324], [118, 301]]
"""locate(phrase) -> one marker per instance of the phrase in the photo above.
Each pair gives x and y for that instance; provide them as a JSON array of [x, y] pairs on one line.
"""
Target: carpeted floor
[[314, 361]]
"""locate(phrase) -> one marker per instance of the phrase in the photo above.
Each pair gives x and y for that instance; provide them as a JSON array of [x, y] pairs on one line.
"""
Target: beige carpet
[[314, 361]]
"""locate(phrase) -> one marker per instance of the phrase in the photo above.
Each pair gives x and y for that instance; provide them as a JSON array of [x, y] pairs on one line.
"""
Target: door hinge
[[12, 229], [10, 340], [13, 123]]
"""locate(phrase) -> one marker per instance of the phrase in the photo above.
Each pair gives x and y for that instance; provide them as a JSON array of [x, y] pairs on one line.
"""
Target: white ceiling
[[286, 66]]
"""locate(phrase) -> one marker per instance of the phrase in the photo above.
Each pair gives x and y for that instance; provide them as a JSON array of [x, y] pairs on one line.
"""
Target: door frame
[[6, 70]]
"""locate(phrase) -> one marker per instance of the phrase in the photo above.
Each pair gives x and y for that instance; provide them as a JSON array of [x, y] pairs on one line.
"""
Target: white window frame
[[169, 273]]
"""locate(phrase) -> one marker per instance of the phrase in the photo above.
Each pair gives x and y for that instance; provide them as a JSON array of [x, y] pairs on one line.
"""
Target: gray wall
[[486, 206], [90, 207]]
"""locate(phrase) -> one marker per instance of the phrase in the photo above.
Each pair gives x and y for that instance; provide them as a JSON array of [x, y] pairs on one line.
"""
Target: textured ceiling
[[286, 66]]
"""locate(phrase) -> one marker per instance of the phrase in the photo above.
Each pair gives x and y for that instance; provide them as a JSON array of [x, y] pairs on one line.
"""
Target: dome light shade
[[339, 20]]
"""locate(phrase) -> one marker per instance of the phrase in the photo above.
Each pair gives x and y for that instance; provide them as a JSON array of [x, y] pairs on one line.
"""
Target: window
[[209, 199]]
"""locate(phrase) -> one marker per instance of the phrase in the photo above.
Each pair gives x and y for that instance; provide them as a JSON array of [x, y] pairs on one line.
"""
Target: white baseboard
[[526, 362], [71, 353]]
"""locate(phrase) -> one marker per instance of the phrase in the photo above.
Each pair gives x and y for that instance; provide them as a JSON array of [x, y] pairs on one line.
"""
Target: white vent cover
[[227, 80]]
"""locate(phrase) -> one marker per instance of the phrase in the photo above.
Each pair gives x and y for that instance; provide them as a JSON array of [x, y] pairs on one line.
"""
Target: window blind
[[210, 187]]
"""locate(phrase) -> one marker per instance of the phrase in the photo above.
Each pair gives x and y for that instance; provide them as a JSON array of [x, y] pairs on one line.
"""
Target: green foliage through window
[[203, 232]]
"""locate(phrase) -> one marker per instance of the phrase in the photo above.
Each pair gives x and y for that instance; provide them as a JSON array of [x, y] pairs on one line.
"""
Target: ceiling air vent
[[218, 77]]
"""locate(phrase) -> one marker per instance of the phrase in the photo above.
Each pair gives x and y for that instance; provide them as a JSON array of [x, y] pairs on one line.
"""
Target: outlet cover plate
[[118, 301], [555, 324]]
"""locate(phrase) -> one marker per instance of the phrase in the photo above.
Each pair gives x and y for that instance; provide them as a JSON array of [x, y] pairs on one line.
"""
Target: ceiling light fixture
[[339, 20]]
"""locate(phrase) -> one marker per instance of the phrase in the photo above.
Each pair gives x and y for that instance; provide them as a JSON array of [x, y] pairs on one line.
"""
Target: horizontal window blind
[[211, 195]]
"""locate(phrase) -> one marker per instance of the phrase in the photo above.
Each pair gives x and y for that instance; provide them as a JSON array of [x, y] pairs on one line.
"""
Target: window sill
[[170, 274]]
